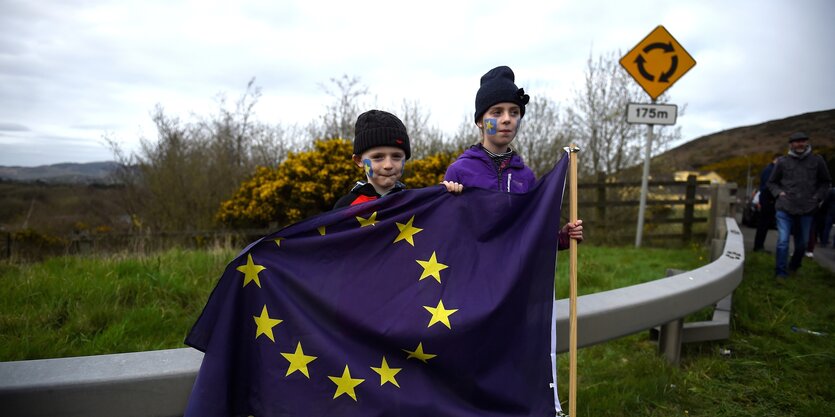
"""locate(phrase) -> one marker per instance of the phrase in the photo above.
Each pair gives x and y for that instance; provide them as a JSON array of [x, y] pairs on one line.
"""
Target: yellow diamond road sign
[[657, 62]]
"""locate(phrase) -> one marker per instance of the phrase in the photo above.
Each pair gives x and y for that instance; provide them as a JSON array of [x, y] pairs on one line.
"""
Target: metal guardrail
[[157, 383], [612, 314], [140, 384]]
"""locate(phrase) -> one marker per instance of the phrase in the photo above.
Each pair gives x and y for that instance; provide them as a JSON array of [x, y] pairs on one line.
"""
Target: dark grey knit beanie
[[380, 128], [497, 86]]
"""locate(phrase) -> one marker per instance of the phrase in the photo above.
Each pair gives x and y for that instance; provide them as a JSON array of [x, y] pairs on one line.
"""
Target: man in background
[[799, 183]]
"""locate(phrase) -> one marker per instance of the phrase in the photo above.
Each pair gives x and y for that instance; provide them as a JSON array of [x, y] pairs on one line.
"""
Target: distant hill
[[764, 138], [768, 137], [67, 173]]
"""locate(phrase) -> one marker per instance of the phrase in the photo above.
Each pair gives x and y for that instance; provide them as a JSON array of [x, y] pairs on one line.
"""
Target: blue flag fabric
[[422, 303]]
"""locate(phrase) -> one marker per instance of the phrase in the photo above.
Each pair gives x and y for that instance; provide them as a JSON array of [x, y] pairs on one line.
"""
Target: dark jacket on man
[[805, 180]]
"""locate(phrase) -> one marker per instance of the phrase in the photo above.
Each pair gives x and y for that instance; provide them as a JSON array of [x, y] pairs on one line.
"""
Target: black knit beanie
[[497, 87], [380, 128]]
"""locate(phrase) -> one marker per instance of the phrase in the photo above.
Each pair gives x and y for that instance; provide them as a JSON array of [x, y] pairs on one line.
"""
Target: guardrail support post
[[669, 341]]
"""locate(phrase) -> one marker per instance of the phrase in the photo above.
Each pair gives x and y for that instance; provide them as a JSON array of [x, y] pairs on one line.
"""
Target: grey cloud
[[13, 127]]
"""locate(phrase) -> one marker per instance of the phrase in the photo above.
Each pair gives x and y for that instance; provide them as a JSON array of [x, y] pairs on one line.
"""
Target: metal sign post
[[656, 63], [639, 233]]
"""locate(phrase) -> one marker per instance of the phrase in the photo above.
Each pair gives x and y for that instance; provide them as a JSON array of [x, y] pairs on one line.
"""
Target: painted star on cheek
[[367, 165], [490, 126]]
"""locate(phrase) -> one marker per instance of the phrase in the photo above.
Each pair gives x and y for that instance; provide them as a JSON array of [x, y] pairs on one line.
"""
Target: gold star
[[489, 125], [251, 271], [407, 232], [387, 374], [278, 241], [440, 314], [298, 361], [432, 268], [369, 221], [419, 354], [322, 230], [345, 384], [265, 324]]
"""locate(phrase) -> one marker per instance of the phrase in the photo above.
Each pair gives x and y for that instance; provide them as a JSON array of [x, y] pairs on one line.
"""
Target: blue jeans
[[785, 221]]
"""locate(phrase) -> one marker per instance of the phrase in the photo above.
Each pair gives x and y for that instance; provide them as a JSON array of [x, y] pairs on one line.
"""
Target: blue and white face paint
[[368, 171], [490, 126]]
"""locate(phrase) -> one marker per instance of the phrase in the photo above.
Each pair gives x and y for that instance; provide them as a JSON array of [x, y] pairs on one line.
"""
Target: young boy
[[492, 164], [381, 147]]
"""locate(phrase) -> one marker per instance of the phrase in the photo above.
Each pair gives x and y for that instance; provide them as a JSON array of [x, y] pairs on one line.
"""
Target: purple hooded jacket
[[474, 168]]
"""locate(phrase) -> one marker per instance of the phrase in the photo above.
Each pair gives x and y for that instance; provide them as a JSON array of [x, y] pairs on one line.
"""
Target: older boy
[[492, 164]]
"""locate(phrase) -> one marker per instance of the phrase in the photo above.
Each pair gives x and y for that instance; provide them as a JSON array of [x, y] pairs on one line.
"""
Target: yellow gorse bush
[[310, 182], [306, 183], [429, 170]]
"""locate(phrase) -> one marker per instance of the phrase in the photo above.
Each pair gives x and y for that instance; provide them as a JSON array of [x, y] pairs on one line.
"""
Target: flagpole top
[[572, 148]]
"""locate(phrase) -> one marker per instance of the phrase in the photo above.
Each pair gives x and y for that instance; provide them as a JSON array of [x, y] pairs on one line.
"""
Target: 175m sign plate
[[651, 114]]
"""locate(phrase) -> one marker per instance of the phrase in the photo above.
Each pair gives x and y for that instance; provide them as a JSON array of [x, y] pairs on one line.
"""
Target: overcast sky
[[72, 71]]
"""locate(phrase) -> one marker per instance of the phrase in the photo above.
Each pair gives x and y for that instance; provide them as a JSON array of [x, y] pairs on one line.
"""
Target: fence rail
[[157, 383], [613, 208]]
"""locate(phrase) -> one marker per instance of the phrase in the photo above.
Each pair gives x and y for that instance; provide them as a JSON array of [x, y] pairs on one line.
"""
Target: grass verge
[[764, 369], [75, 306]]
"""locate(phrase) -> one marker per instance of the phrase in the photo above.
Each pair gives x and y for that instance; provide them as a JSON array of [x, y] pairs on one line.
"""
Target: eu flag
[[421, 303]]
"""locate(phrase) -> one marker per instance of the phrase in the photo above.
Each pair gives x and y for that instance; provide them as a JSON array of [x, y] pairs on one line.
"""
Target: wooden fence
[[676, 210]]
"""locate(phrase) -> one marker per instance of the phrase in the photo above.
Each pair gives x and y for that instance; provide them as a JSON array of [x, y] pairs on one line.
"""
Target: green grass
[[770, 370], [74, 306], [601, 268]]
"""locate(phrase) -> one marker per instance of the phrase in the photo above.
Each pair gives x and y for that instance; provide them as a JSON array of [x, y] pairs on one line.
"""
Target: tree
[[340, 116], [177, 181], [467, 135], [424, 139], [542, 135], [597, 119]]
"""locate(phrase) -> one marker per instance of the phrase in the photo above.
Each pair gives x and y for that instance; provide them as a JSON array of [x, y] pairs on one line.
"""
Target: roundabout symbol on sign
[[657, 62], [665, 76]]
